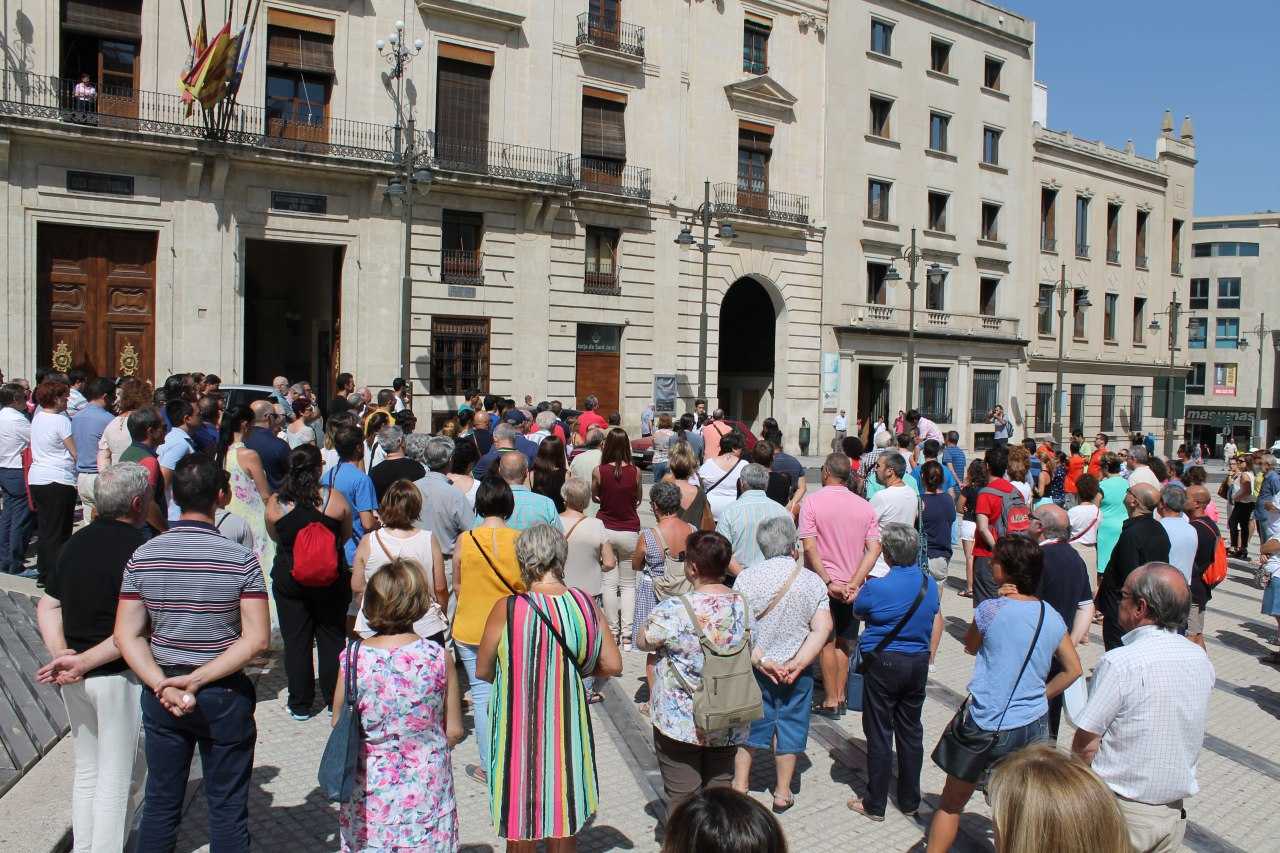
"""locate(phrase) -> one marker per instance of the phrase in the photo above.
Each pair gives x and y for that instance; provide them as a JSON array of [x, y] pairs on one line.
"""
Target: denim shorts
[[786, 715]]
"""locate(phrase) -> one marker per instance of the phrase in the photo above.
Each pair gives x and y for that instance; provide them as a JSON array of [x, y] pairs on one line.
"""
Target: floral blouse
[[723, 619]]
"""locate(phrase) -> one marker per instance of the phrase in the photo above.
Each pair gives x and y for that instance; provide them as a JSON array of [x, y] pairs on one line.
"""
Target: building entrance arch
[[749, 321]]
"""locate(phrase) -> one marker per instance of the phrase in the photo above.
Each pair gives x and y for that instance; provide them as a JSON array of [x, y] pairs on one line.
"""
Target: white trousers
[[618, 587], [106, 728]]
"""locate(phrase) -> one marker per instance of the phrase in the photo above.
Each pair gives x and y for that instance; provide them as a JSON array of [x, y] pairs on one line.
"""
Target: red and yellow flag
[[207, 82]]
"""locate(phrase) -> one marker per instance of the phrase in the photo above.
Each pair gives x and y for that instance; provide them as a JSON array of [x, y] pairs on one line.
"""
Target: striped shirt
[[740, 521], [191, 580]]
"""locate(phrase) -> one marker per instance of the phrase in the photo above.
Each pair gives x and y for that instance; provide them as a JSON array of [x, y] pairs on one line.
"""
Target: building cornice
[[1097, 151], [472, 12]]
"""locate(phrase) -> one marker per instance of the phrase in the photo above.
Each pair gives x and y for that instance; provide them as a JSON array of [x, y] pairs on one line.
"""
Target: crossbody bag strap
[[1026, 660], [555, 632], [377, 536], [353, 652], [485, 554], [777, 596], [1097, 515], [902, 623], [732, 468], [574, 527]]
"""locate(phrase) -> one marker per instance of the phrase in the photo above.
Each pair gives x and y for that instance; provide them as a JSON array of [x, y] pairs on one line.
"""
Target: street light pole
[[1174, 311], [1258, 439], [705, 248], [935, 273], [1080, 295]]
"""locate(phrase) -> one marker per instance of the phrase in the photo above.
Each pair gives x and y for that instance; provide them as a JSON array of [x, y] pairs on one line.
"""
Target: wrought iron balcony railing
[[1048, 244], [1113, 256], [1175, 267], [462, 266], [1140, 261], [1082, 250], [605, 283], [500, 160], [610, 177], [156, 113], [735, 200], [611, 33]]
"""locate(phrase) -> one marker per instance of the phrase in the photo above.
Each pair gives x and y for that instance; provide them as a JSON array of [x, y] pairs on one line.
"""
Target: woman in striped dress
[[537, 647]]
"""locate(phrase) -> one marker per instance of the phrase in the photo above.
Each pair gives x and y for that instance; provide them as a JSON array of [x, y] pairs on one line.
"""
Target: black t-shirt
[[273, 452], [1064, 583], [785, 463], [87, 583], [1206, 543], [388, 471]]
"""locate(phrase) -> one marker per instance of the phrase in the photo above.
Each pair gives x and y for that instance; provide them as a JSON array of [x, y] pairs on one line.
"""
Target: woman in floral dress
[[411, 712], [249, 490]]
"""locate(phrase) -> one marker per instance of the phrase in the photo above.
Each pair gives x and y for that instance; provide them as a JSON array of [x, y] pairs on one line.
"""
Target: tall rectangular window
[[939, 123], [935, 293], [986, 394], [991, 146], [461, 239], [1078, 314], [1136, 395], [1113, 233], [877, 287], [1044, 406], [755, 149], [1199, 300], [462, 106], [299, 77], [1082, 227], [1109, 310], [1140, 240], [881, 37], [1075, 411], [1044, 310], [755, 45], [1196, 377], [988, 296], [600, 273], [991, 70], [933, 393], [1229, 293], [1175, 247], [878, 200], [1227, 333], [459, 354], [938, 211], [102, 38], [1048, 220], [1139, 318], [1198, 333], [1107, 416], [1224, 379], [880, 109], [940, 57], [604, 139], [990, 221]]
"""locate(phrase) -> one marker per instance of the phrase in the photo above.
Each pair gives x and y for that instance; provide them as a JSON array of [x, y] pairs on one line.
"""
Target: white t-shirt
[[725, 484], [1024, 489], [1084, 517], [840, 422], [51, 461], [896, 504]]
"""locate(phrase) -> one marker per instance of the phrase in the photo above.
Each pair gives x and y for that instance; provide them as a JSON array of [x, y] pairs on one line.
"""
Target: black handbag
[[963, 753], [858, 661]]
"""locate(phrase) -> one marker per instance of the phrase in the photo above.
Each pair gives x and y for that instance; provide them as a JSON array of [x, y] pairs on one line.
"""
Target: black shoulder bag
[[965, 754]]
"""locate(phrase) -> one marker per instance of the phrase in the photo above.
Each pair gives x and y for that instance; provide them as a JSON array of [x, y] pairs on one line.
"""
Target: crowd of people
[[505, 558]]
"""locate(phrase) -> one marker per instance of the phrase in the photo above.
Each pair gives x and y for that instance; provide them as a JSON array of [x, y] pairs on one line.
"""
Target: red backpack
[[1015, 515], [315, 551]]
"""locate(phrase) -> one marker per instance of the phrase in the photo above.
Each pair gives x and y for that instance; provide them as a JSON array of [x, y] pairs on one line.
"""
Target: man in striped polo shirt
[[192, 613]]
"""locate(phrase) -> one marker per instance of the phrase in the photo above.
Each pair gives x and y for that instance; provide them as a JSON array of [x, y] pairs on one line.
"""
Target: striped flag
[[246, 38], [210, 77], [196, 54]]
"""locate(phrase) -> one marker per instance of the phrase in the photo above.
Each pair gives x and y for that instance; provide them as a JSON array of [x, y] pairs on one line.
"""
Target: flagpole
[[186, 24]]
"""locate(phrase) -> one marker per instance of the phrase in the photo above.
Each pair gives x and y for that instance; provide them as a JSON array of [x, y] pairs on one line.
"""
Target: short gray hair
[[415, 446], [595, 436], [298, 388], [717, 415], [545, 420], [754, 477], [776, 536], [1164, 589], [439, 451], [541, 549], [883, 439], [900, 543], [1055, 525], [1174, 497], [1138, 453], [390, 438], [577, 493], [505, 432], [355, 399], [116, 487], [665, 497], [513, 467]]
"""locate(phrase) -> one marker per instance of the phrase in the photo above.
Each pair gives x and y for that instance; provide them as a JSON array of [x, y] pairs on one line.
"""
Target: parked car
[[642, 448], [243, 395]]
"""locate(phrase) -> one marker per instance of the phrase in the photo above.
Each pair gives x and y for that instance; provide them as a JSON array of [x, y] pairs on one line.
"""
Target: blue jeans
[[16, 522], [480, 691], [784, 728], [1008, 741], [659, 470], [222, 726]]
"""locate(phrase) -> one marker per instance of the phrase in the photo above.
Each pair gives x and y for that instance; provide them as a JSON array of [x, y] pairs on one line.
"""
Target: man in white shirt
[[1229, 449], [1143, 727], [1182, 536], [840, 425], [16, 522], [896, 502], [925, 428], [1139, 470]]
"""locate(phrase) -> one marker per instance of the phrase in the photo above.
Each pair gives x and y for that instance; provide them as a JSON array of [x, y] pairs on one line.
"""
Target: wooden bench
[[32, 716]]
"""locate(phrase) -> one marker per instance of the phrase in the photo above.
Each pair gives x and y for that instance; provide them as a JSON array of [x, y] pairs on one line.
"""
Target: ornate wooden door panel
[[96, 300]]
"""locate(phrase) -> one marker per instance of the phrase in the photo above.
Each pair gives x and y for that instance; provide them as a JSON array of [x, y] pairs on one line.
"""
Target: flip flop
[[594, 697], [477, 773], [856, 805], [966, 593], [777, 809]]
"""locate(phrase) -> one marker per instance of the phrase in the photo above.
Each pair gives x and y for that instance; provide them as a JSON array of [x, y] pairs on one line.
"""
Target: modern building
[[1233, 330], [552, 215]]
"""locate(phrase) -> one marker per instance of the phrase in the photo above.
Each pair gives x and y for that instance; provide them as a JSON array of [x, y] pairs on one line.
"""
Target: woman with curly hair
[[132, 395]]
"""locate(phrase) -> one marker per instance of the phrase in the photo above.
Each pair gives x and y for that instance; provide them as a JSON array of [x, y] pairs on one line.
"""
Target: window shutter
[[299, 50], [755, 141], [462, 103], [604, 133], [110, 18], [296, 21]]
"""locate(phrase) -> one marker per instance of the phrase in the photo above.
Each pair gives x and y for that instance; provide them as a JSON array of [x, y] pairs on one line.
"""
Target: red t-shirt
[[587, 420], [1095, 462], [1075, 467], [991, 506]]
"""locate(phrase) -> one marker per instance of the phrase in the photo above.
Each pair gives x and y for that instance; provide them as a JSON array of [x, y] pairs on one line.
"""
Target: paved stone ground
[[1235, 811]]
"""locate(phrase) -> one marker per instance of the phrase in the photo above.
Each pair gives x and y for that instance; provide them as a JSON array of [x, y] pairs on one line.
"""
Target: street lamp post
[[1173, 312], [1080, 295], [913, 256], [1261, 330], [411, 171], [703, 216]]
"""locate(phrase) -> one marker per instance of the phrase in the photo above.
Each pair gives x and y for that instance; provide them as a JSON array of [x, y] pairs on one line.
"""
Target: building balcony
[[610, 37], [1113, 256], [1048, 244], [40, 98], [493, 159], [1140, 261], [935, 323], [734, 202], [609, 177], [1175, 267], [1082, 250], [601, 283], [462, 266]]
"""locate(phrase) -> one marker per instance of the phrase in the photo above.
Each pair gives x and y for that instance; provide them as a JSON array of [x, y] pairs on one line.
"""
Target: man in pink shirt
[[841, 543], [715, 430]]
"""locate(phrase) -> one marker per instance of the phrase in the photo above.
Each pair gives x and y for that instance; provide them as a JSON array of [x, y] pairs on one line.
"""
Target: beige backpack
[[729, 695]]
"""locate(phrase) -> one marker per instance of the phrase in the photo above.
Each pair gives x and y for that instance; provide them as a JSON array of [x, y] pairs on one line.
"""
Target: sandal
[[477, 773], [856, 805], [966, 593], [779, 809], [594, 697]]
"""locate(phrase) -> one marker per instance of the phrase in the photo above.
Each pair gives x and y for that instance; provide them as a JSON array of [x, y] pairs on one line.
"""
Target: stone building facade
[[562, 149]]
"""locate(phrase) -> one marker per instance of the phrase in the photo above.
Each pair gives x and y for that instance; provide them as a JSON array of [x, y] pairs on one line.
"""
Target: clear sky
[[1114, 66]]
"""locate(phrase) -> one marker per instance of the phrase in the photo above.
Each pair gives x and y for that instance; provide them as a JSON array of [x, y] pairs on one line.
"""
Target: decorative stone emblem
[[62, 357], [128, 360]]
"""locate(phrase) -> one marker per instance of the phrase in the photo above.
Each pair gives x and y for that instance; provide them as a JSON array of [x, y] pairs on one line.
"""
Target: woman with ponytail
[[249, 489]]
